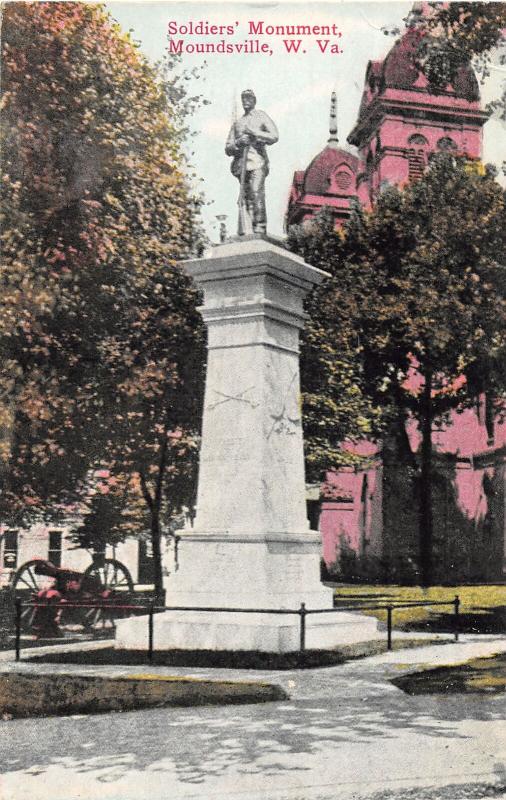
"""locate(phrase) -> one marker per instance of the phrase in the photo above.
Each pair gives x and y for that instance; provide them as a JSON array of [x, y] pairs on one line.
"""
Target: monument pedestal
[[247, 571], [251, 546]]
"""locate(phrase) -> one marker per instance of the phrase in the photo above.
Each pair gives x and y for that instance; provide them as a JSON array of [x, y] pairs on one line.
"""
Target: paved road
[[345, 734]]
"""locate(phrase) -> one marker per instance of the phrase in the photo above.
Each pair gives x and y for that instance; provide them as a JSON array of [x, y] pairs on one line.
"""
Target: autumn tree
[[101, 346]]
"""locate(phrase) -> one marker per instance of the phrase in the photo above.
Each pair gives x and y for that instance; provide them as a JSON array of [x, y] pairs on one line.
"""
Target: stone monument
[[250, 546]]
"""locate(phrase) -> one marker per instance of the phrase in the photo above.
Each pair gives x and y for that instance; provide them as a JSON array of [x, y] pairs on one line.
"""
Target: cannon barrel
[[48, 568], [69, 580], [110, 577]]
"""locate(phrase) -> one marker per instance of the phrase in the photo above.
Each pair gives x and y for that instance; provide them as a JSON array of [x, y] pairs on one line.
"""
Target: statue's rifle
[[243, 214]]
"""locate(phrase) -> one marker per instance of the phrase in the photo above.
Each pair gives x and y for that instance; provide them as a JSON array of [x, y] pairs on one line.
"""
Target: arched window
[[417, 140], [343, 179], [446, 144], [417, 156]]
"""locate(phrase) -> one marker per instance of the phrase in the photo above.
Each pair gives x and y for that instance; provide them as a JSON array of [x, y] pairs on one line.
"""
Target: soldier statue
[[247, 142]]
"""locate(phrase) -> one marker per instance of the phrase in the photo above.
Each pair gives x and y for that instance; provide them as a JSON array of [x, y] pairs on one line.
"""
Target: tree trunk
[[156, 543], [425, 508], [154, 504]]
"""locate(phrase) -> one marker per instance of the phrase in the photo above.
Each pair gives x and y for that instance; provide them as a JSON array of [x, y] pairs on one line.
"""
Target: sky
[[293, 88]]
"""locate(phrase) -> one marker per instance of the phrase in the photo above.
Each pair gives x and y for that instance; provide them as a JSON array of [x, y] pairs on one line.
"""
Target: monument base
[[267, 633], [250, 571]]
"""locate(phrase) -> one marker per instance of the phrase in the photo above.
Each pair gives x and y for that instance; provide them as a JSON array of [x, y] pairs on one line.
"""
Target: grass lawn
[[482, 608], [56, 695], [478, 676]]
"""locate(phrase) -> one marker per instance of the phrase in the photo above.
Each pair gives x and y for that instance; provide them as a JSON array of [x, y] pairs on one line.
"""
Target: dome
[[329, 181], [413, 72], [333, 171], [402, 69]]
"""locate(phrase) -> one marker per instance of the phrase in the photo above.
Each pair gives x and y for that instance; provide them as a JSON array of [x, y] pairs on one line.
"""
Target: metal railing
[[302, 613]]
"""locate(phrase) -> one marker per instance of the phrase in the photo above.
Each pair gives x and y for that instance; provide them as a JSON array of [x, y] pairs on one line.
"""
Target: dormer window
[[341, 179]]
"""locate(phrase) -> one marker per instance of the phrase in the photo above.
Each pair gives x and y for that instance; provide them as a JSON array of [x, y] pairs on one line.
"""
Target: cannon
[[105, 582]]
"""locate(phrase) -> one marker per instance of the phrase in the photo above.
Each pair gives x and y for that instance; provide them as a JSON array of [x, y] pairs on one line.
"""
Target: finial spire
[[333, 140]]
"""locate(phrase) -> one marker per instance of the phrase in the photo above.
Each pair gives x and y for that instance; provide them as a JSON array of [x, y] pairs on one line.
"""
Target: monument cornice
[[253, 257]]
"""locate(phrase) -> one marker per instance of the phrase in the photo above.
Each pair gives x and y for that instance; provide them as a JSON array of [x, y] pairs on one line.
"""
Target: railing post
[[456, 604], [389, 627], [150, 632], [18, 628], [302, 612]]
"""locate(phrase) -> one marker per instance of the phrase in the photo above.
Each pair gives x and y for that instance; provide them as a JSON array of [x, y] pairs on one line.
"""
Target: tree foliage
[[101, 346], [464, 32], [417, 302], [337, 410], [436, 249], [456, 34], [437, 332]]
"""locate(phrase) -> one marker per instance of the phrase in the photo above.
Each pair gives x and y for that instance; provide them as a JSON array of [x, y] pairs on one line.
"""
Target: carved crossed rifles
[[225, 398], [282, 422]]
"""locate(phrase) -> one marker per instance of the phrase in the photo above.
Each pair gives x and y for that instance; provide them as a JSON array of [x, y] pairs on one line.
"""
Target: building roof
[[329, 180], [323, 175], [402, 69], [407, 73]]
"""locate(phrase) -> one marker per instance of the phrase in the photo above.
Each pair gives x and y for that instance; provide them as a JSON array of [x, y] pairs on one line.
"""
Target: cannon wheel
[[113, 576], [24, 584]]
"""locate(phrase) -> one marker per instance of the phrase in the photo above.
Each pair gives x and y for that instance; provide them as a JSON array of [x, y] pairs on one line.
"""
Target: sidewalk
[[345, 734]]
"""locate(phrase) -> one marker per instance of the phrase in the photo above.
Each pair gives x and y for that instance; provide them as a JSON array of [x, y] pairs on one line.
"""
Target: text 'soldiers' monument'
[[250, 546]]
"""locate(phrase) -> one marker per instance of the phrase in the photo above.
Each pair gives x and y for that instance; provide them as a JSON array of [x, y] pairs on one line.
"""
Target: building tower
[[407, 113]]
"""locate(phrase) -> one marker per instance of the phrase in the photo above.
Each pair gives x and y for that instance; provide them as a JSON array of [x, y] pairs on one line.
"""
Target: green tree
[[437, 248], [462, 32], [101, 346], [430, 306], [337, 410], [103, 512]]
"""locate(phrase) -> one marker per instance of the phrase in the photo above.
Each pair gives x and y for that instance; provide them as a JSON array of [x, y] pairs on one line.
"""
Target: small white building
[[53, 543]]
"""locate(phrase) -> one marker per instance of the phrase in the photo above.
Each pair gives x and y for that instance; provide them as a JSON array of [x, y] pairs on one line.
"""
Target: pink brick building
[[368, 517]]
